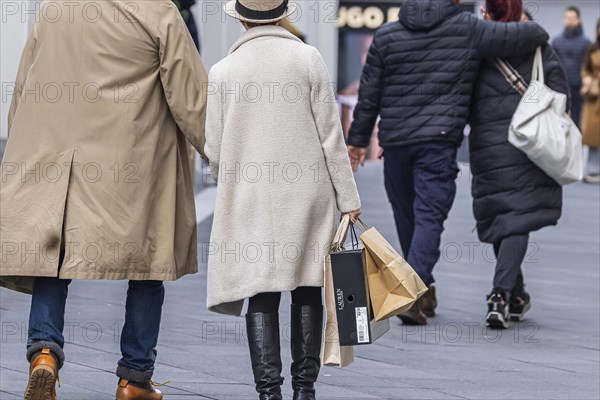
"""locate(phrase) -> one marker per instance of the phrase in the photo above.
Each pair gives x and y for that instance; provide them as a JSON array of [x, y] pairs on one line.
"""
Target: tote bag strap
[[512, 76], [538, 67]]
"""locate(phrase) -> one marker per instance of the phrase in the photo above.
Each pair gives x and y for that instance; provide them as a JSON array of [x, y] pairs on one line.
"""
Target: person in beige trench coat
[[95, 176], [276, 149], [590, 116]]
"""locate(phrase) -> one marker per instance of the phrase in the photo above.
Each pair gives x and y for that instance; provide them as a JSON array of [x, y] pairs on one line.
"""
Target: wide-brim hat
[[259, 11]]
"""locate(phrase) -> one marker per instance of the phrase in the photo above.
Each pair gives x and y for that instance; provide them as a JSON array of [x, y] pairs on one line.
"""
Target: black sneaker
[[497, 316], [519, 305]]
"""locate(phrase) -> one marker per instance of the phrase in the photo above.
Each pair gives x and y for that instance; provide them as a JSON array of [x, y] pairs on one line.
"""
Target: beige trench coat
[[275, 143], [96, 164], [590, 115]]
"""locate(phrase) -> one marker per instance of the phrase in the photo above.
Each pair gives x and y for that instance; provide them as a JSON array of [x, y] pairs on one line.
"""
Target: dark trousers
[[420, 181], [268, 302], [139, 337], [576, 104], [510, 253]]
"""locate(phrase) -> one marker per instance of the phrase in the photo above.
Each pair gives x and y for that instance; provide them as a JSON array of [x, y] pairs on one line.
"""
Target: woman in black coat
[[511, 196]]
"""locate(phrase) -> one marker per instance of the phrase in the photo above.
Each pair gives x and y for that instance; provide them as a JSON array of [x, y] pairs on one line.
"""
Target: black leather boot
[[306, 337], [263, 341]]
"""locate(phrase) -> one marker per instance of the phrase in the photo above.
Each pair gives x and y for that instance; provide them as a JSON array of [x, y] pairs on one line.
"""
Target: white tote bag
[[541, 127]]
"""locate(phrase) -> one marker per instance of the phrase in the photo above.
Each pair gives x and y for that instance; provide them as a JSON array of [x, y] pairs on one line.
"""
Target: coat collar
[[574, 32], [267, 31]]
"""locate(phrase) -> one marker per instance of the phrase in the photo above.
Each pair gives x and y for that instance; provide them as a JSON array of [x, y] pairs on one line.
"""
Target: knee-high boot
[[306, 338], [265, 354]]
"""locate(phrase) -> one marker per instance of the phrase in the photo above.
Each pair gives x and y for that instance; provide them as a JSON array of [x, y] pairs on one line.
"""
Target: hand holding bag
[[541, 127], [393, 285], [332, 354]]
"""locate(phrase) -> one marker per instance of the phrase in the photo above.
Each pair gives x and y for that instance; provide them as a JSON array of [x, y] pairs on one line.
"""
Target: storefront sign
[[370, 15]]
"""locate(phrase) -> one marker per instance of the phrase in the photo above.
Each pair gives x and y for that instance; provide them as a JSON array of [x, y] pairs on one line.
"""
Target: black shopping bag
[[356, 325]]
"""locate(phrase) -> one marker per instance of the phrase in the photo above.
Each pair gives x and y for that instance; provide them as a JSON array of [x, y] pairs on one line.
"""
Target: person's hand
[[357, 157], [353, 215], [587, 80]]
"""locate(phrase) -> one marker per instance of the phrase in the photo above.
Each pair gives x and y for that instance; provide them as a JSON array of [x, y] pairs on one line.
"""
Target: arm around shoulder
[[507, 39]]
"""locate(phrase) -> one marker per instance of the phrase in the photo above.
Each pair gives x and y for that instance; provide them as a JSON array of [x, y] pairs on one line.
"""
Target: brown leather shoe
[[43, 374], [415, 315], [429, 302], [128, 391]]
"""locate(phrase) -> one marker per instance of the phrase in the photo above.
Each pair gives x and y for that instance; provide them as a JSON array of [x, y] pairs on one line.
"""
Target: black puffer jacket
[[420, 72], [511, 195]]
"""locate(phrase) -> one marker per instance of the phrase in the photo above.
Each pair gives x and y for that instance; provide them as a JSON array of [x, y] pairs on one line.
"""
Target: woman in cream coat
[[277, 152]]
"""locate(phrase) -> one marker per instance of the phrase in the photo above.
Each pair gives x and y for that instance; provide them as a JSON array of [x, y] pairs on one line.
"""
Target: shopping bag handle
[[354, 238], [362, 224], [340, 235]]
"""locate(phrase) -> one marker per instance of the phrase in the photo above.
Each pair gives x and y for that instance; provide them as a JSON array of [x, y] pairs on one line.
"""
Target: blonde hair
[[291, 28]]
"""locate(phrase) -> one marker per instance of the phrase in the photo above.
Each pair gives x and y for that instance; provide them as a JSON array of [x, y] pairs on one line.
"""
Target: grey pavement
[[553, 354]]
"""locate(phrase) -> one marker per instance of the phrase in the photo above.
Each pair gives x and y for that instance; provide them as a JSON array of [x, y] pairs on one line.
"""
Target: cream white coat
[[277, 151]]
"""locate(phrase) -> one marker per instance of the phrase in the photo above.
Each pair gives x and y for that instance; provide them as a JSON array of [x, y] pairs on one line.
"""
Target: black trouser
[[576, 103], [510, 253], [269, 302]]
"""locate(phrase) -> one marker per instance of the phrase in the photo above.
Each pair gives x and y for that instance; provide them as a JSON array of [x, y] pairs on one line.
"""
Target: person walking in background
[[112, 197], [590, 120], [571, 47], [511, 195], [185, 8], [278, 155], [418, 77]]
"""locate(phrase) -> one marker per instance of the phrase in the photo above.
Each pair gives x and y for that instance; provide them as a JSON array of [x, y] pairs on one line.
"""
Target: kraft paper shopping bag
[[332, 354], [393, 285]]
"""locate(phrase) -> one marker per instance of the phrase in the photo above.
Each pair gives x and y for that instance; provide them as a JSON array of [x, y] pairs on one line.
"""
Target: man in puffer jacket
[[571, 47], [418, 78]]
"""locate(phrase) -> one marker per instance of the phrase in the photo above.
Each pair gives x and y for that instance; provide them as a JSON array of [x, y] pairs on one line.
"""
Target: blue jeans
[[420, 181], [139, 337]]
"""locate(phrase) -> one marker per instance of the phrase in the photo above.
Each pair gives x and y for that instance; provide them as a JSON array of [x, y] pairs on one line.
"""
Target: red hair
[[505, 10]]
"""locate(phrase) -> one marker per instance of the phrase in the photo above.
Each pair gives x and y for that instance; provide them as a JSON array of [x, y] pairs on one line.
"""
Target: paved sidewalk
[[554, 354]]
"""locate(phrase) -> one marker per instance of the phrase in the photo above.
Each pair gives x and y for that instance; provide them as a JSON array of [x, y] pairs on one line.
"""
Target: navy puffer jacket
[[420, 72], [571, 48]]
